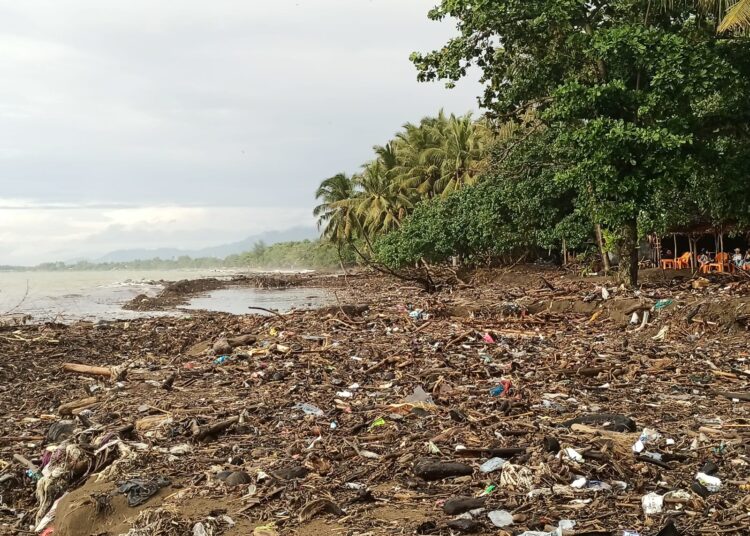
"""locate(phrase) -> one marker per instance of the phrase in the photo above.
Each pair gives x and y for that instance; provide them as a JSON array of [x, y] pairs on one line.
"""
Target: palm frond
[[736, 17]]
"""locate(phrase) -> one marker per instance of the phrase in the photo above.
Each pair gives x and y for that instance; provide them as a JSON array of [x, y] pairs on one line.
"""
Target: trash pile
[[534, 410]]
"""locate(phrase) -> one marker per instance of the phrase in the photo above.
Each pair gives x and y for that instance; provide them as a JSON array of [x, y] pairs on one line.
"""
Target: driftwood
[[208, 431], [115, 373], [70, 408]]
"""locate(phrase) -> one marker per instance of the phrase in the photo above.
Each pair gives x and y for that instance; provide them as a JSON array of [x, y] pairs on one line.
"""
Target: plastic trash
[[493, 464], [222, 359], [573, 454], [563, 525], [488, 338], [662, 334], [139, 490], [635, 319], [501, 390], [380, 421], [647, 436], [500, 518], [711, 483], [419, 396], [309, 409], [662, 304], [579, 482], [488, 490], [266, 530], [652, 504]]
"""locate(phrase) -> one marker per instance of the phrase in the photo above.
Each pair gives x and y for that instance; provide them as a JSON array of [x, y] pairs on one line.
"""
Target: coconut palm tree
[[336, 215], [413, 169], [733, 15], [381, 203], [460, 155]]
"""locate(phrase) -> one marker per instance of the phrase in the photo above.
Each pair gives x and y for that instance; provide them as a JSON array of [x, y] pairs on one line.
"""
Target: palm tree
[[335, 214], [382, 202], [413, 169], [460, 155], [736, 14]]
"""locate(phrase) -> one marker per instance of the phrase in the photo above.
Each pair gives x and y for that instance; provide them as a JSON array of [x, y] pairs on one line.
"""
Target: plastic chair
[[721, 264], [668, 264], [683, 262]]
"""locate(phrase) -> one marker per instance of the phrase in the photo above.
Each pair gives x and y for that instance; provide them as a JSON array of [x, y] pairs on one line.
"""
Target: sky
[[187, 123]]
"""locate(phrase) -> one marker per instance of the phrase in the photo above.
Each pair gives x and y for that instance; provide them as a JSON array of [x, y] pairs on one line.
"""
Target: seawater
[[68, 296]]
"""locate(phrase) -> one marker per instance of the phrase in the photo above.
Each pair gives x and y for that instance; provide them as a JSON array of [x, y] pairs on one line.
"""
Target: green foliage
[[518, 206], [646, 110], [438, 156], [306, 254]]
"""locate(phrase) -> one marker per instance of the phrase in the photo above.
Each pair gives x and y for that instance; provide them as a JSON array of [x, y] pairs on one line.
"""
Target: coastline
[[329, 415]]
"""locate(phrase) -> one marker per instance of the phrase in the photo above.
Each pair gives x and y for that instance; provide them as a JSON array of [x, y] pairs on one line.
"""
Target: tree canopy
[[619, 115], [641, 102]]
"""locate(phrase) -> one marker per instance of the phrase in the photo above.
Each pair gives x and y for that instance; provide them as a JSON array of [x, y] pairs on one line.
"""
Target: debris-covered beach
[[524, 402]]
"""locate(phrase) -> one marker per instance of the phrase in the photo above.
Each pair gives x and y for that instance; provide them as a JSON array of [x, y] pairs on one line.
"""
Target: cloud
[[203, 104], [32, 234]]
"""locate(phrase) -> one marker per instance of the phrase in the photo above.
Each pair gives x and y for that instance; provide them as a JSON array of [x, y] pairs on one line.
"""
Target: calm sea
[[93, 295]]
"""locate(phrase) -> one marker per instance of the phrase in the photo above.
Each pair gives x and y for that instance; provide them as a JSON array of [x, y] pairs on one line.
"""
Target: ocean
[[68, 296]]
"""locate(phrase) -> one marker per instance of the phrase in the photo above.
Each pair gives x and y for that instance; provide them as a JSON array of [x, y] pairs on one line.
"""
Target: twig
[[23, 299], [266, 310]]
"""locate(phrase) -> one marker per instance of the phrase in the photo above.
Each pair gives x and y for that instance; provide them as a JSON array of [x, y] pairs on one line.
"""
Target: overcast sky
[[190, 123]]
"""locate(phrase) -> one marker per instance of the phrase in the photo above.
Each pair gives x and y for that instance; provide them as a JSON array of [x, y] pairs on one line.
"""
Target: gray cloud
[[187, 102]]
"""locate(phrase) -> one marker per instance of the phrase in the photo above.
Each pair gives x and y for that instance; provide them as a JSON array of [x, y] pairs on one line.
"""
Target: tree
[[382, 201], [635, 98], [458, 155], [336, 215]]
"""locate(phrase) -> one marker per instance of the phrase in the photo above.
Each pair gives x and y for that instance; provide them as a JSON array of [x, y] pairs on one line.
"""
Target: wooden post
[[565, 252], [658, 251], [674, 237], [693, 253]]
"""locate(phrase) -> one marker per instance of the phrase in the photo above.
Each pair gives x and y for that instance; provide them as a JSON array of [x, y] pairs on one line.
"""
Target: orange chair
[[668, 264], [683, 262], [721, 264]]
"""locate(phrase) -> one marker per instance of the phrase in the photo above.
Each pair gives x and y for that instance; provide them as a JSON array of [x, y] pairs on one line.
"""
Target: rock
[[242, 340], [551, 445], [430, 470], [459, 505], [237, 478], [222, 347], [468, 526], [290, 473]]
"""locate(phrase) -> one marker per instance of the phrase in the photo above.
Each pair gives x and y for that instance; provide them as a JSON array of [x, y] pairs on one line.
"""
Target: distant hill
[[221, 251]]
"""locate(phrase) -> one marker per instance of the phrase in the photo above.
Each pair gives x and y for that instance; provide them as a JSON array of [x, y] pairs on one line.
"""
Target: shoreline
[[330, 415]]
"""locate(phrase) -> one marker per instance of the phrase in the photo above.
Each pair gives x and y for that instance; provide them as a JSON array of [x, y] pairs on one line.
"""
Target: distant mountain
[[270, 237]]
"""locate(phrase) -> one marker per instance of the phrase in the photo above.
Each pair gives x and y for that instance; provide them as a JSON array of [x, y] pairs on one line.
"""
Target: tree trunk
[[629, 253], [600, 242]]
